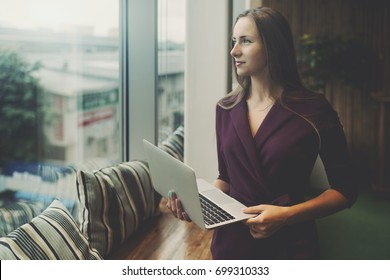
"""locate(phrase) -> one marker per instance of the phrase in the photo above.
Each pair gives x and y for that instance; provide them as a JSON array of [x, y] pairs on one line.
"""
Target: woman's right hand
[[174, 204]]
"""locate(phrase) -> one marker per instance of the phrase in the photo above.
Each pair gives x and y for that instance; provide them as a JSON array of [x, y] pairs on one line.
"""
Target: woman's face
[[248, 50]]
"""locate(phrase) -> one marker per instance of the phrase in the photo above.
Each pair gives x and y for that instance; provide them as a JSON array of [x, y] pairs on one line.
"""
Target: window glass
[[171, 47], [59, 83]]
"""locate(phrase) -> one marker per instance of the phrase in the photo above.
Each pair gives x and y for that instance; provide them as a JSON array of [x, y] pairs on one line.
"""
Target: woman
[[270, 130]]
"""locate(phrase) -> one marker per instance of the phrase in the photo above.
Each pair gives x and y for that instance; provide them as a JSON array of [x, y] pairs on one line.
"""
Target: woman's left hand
[[270, 219]]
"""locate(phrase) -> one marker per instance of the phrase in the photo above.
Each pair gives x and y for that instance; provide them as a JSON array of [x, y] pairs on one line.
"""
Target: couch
[[80, 213]]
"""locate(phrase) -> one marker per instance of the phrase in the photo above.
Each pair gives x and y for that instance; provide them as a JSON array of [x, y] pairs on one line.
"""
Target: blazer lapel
[[275, 119], [239, 118]]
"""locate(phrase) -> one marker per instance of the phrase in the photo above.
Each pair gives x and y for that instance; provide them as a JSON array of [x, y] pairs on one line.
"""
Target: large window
[[171, 48], [59, 83]]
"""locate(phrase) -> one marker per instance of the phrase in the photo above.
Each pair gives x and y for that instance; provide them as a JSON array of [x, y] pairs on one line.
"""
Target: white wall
[[206, 80]]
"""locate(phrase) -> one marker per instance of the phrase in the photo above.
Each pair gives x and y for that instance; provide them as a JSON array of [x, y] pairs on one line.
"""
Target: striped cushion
[[174, 144], [16, 214], [51, 235], [114, 202]]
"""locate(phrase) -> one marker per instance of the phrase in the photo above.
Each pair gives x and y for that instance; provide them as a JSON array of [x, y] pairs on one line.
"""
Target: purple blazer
[[274, 167]]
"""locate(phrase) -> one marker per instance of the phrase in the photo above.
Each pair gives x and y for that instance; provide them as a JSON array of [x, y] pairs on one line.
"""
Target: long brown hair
[[276, 36]]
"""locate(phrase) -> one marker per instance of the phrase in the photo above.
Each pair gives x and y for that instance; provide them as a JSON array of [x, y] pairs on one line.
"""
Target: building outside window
[[68, 52], [171, 50], [60, 83], [72, 48]]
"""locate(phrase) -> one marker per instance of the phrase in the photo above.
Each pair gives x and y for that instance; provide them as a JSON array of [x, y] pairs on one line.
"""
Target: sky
[[57, 15]]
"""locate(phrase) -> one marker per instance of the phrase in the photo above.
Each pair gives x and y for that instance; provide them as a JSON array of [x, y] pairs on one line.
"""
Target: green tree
[[19, 109]]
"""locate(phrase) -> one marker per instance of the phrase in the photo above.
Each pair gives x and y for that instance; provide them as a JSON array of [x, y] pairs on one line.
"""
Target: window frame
[[138, 64]]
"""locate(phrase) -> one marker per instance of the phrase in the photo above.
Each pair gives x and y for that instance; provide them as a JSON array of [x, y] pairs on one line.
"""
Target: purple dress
[[274, 167]]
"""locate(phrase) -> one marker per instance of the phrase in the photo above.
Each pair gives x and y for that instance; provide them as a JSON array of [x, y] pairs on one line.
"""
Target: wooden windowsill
[[166, 238]]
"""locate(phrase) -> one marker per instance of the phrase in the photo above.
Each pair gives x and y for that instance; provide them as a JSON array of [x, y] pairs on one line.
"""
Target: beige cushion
[[114, 202], [52, 235]]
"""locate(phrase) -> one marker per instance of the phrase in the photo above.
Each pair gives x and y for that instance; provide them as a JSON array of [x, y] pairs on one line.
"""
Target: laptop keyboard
[[212, 213]]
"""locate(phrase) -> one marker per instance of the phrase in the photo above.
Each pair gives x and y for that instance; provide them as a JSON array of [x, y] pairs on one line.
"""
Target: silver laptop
[[207, 206]]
